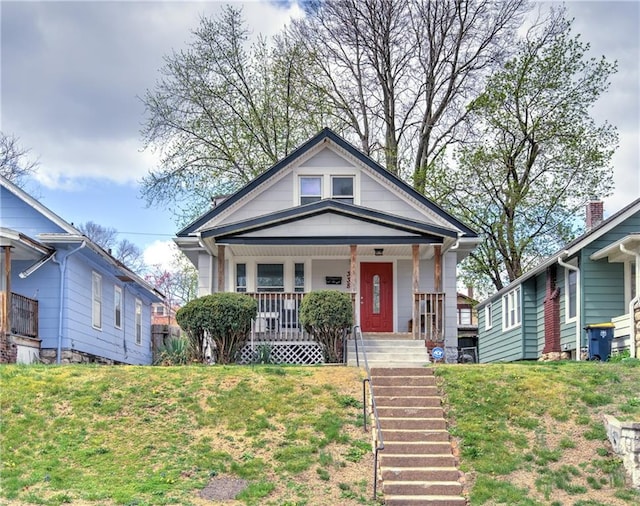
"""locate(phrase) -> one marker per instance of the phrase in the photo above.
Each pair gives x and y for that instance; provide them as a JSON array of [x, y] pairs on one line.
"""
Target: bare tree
[[400, 73], [15, 163], [223, 112], [122, 250]]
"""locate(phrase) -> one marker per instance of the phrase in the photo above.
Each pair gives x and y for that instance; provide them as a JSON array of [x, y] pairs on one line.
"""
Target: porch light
[[378, 252]]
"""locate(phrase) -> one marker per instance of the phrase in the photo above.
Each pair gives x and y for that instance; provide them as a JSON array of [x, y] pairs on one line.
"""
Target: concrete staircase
[[387, 350], [417, 466]]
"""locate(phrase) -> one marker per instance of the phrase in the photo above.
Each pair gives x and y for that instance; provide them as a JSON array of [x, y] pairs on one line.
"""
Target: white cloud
[[160, 253]]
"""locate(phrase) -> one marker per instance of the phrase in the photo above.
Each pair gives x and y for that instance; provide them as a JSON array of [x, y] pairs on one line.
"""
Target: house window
[[299, 278], [488, 317], [310, 189], [241, 277], [511, 309], [117, 307], [270, 278], [96, 313], [571, 289], [138, 321], [342, 189], [464, 316]]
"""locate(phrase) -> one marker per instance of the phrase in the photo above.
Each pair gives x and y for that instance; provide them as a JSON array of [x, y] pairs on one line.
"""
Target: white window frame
[[138, 321], [342, 198], [313, 196], [569, 294], [117, 307], [266, 288], [488, 316], [512, 309], [96, 300], [326, 179], [238, 287]]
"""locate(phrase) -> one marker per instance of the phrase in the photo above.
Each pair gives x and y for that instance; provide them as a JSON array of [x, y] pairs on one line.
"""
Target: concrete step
[[410, 412], [423, 500], [412, 423], [406, 401], [415, 436], [402, 391], [420, 473], [405, 371], [411, 461], [417, 447], [399, 381], [412, 487]]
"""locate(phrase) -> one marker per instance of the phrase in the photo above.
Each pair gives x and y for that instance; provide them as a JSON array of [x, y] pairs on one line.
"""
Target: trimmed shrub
[[326, 314], [225, 318]]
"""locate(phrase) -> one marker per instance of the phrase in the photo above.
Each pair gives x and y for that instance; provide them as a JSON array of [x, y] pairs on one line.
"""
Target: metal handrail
[[357, 336]]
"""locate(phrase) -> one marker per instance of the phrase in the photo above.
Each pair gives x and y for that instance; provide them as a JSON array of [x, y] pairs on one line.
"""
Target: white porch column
[[415, 311]]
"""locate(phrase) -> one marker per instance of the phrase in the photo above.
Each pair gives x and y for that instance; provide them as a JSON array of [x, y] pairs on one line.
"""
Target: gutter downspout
[[63, 265], [633, 302], [578, 302]]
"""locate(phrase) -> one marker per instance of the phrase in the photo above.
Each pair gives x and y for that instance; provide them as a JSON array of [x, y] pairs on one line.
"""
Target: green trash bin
[[599, 337]]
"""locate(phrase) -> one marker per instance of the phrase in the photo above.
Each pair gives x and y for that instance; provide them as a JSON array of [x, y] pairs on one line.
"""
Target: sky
[[72, 72]]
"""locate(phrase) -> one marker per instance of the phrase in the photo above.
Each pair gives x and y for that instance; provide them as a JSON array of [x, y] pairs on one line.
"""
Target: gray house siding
[[541, 286], [496, 345]]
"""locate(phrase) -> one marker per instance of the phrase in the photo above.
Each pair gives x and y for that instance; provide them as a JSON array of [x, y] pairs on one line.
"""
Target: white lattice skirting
[[283, 352]]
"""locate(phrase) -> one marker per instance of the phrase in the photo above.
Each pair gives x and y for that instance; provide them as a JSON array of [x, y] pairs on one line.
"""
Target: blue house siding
[[108, 341], [19, 215]]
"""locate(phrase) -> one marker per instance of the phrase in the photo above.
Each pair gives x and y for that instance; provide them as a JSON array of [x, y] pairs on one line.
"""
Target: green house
[[592, 280]]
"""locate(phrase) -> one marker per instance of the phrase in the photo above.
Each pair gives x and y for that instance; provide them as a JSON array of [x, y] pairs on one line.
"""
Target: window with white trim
[[571, 294], [117, 307], [511, 309], [298, 277], [241, 277], [342, 188], [96, 310], [310, 189], [488, 316], [138, 321], [270, 278]]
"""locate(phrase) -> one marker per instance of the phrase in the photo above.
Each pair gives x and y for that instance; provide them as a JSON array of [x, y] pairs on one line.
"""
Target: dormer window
[[342, 189], [310, 189]]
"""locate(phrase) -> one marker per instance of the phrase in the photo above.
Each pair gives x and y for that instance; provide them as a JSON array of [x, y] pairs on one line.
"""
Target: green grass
[[157, 435], [504, 416]]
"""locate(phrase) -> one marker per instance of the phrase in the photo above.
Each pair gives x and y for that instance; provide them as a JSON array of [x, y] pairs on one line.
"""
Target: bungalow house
[[592, 280], [62, 297], [329, 217]]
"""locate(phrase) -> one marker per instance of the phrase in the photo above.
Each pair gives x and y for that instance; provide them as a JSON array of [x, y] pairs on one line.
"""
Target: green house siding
[[529, 320], [541, 286], [496, 345]]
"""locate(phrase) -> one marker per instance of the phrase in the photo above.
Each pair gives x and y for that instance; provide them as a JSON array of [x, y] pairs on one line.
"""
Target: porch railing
[[429, 309], [23, 313], [278, 316]]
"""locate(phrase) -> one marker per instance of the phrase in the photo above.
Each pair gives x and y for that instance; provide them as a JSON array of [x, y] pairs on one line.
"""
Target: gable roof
[[328, 206], [572, 248], [325, 135], [73, 236]]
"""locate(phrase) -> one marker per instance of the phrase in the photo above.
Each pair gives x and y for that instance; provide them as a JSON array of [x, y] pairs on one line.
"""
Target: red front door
[[376, 297]]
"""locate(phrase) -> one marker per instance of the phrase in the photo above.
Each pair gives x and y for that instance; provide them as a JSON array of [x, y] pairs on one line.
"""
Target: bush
[[225, 318], [176, 352], [326, 314]]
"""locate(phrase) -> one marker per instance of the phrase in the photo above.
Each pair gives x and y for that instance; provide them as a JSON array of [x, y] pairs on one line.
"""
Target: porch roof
[[22, 246], [615, 253], [387, 228]]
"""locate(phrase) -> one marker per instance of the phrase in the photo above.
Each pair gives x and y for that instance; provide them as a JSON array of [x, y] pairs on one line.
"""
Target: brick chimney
[[595, 210]]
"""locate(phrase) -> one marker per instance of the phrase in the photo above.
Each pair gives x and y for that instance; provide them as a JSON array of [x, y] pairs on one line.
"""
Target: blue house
[[592, 280], [63, 299]]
